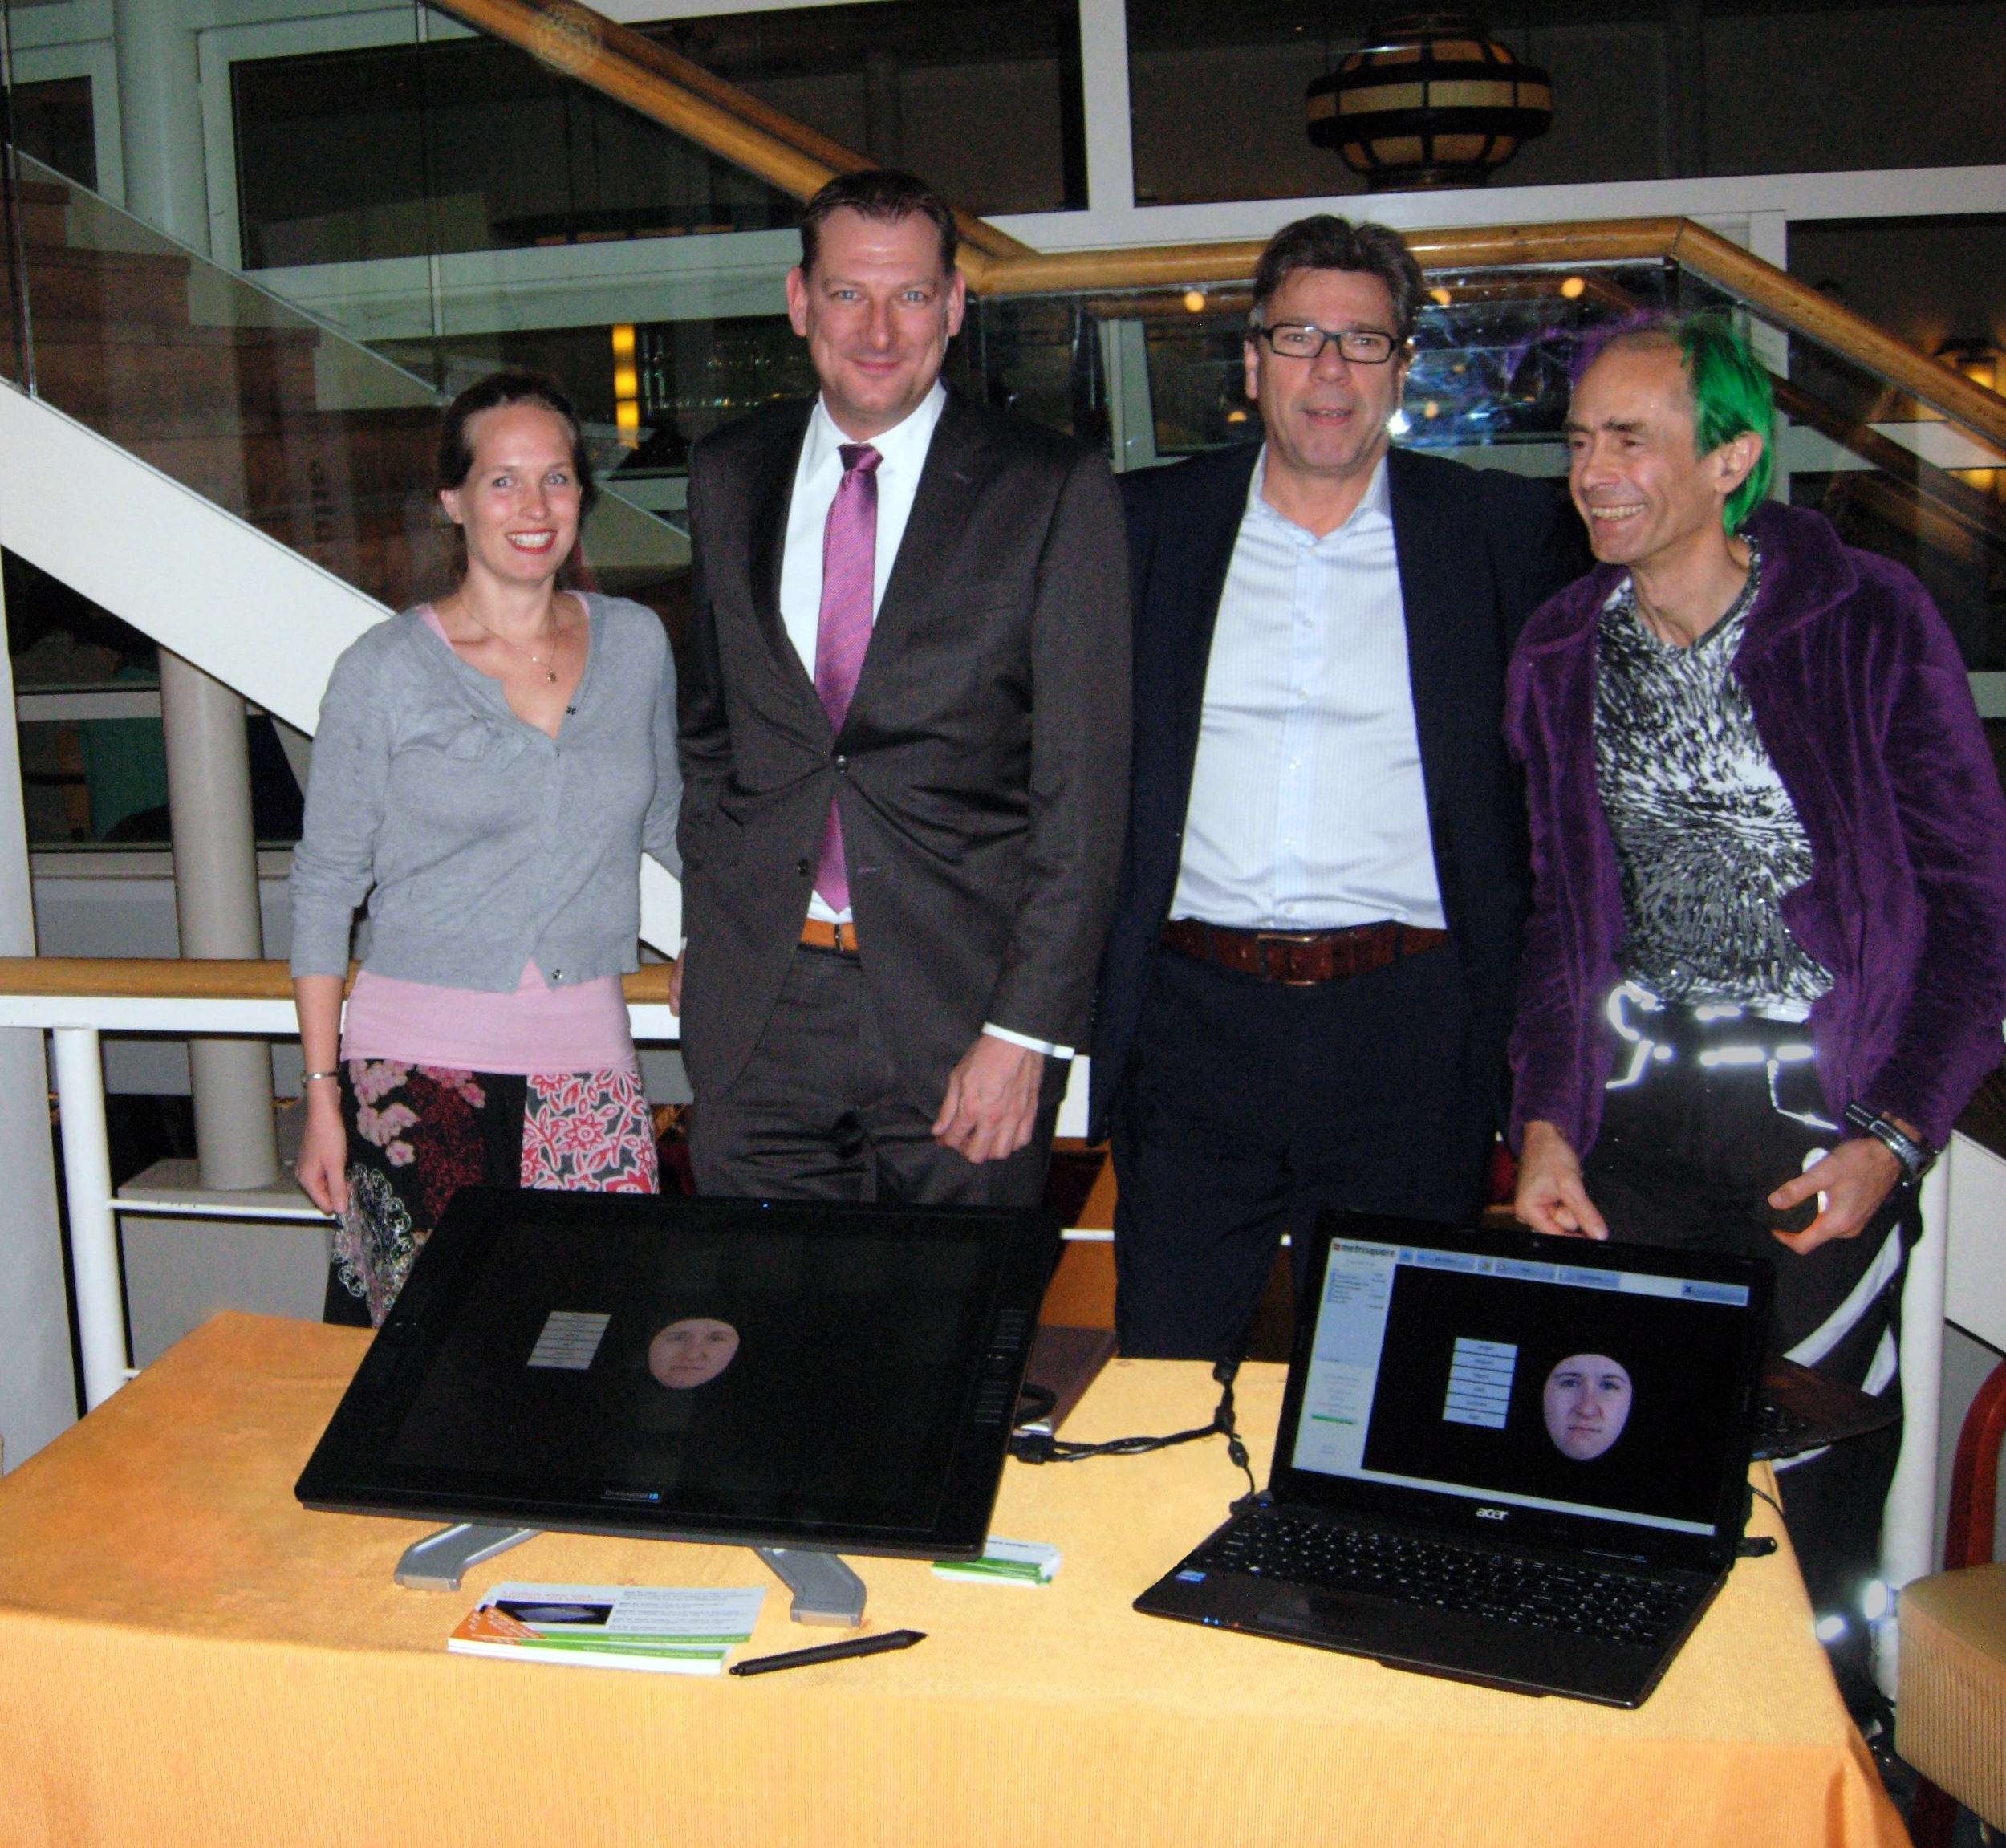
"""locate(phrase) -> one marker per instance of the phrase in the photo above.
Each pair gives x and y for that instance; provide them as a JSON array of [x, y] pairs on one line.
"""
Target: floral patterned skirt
[[417, 1134]]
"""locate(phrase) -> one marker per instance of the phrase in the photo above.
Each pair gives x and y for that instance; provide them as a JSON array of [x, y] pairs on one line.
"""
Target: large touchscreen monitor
[[831, 1377]]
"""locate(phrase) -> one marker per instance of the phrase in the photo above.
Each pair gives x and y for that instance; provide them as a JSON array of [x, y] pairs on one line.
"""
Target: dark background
[[1680, 1356]]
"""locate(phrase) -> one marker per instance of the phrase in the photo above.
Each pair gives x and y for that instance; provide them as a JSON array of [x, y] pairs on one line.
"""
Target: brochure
[[662, 1629], [1004, 1562]]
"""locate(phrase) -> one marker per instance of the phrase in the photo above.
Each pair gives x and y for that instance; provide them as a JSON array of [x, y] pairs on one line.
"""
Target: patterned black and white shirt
[[1706, 838]]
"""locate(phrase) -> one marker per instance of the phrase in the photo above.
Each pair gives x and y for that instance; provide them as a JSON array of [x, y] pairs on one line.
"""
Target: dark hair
[[1328, 243], [1730, 388], [886, 195], [455, 452]]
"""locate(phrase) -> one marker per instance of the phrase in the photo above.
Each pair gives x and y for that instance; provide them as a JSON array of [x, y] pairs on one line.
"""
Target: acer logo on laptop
[[1492, 1513]]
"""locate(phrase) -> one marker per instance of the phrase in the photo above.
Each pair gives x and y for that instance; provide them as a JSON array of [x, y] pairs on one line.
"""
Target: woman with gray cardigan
[[488, 770]]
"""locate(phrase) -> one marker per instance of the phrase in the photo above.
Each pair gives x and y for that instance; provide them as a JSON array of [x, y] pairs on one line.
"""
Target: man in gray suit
[[905, 743]]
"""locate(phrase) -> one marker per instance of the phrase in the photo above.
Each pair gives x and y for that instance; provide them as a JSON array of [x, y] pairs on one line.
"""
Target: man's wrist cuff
[[1025, 1040]]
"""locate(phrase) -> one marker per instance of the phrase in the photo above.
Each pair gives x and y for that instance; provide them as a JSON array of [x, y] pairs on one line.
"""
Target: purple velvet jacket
[[1861, 700]]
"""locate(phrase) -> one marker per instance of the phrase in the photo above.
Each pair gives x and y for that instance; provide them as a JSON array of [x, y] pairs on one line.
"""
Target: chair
[[1951, 1722]]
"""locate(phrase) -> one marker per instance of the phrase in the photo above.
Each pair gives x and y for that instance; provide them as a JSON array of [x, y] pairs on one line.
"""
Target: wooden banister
[[1803, 309], [172, 978], [667, 88]]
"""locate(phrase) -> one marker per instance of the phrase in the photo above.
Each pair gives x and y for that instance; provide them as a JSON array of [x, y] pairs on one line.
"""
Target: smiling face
[[877, 313], [519, 506], [1326, 417], [1648, 499], [692, 1351], [1587, 1403]]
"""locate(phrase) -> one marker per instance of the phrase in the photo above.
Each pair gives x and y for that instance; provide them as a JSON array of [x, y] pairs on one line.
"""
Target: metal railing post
[[93, 1240]]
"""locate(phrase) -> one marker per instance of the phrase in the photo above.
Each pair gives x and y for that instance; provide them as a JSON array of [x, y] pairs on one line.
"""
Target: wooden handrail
[[174, 978], [1803, 309], [667, 88]]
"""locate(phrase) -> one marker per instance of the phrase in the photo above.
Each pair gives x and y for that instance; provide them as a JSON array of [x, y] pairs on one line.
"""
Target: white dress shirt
[[1307, 807], [902, 451]]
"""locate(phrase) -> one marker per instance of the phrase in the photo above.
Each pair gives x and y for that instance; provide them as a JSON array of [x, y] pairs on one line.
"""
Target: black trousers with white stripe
[[1689, 1152]]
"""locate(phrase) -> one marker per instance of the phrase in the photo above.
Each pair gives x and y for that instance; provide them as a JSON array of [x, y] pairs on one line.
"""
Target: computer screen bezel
[[351, 1472], [1491, 1519]]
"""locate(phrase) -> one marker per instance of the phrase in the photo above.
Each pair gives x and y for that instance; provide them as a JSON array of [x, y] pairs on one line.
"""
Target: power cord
[[1043, 1447], [1758, 1546]]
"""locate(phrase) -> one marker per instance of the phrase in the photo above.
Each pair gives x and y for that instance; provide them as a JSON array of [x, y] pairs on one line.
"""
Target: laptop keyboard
[[1611, 1606]]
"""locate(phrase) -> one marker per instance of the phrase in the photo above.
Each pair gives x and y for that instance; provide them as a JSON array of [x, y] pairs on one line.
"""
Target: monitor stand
[[826, 1590], [435, 1562]]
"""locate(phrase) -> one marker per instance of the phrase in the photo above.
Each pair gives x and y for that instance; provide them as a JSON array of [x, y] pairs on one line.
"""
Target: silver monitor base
[[435, 1562], [826, 1590]]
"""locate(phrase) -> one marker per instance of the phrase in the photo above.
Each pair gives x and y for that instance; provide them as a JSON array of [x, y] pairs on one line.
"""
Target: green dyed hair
[[1730, 394]]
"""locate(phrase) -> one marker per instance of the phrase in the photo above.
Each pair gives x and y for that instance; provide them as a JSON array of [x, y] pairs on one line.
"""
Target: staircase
[[230, 407]]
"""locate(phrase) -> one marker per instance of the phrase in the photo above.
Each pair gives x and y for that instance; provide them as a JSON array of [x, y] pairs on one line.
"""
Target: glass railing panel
[[458, 143], [311, 437]]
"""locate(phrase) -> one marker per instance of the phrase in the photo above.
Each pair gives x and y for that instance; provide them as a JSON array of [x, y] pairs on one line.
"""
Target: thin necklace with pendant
[[550, 673]]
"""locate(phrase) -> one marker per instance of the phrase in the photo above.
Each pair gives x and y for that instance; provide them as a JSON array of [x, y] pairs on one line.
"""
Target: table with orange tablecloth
[[186, 1656]]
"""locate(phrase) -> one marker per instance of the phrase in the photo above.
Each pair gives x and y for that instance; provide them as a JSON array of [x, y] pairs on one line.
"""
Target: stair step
[[96, 379], [117, 286], [273, 464]]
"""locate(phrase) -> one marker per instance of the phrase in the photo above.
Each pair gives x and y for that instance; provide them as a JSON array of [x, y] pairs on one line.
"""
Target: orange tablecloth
[[186, 1656]]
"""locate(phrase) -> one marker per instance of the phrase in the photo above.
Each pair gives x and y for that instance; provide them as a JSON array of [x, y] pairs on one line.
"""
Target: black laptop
[[1503, 1459]]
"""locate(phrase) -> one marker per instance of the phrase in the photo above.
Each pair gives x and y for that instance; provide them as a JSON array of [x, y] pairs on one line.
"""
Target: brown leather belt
[[1300, 959], [841, 938]]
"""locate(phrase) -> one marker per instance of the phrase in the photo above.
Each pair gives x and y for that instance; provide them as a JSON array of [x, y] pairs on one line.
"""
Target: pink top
[[537, 1029]]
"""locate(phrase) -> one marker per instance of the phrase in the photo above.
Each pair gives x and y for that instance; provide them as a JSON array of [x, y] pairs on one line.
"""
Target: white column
[[1111, 144], [1769, 239], [216, 904], [1908, 1522], [38, 1390], [161, 118], [94, 1236]]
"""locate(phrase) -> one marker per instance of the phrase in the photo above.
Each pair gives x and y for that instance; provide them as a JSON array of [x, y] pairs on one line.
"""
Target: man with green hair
[[1766, 964]]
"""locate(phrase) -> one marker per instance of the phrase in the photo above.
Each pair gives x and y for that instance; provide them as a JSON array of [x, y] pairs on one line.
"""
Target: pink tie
[[849, 569]]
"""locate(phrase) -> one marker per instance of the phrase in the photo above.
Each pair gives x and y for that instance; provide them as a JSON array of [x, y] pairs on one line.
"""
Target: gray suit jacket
[[981, 772]]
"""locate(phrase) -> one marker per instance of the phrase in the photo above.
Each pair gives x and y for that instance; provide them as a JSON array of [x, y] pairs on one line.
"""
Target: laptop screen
[[1576, 1388]]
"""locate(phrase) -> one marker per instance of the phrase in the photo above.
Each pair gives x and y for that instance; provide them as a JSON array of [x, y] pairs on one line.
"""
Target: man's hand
[[991, 1104], [1854, 1178], [676, 986], [1551, 1198]]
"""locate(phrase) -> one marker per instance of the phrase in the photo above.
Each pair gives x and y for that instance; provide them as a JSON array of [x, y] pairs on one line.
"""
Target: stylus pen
[[831, 1652]]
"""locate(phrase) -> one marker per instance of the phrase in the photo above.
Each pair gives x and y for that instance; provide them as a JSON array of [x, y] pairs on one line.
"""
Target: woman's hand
[[323, 1167], [1551, 1197]]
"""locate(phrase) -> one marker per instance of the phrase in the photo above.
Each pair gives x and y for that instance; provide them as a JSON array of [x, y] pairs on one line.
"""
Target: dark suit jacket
[[982, 770], [1479, 550]]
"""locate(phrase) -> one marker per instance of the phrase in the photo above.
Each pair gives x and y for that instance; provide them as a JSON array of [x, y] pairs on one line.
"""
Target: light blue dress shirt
[[1308, 810]]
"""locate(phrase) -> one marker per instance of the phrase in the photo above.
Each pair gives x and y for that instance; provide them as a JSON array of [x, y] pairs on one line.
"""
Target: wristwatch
[[1913, 1156]]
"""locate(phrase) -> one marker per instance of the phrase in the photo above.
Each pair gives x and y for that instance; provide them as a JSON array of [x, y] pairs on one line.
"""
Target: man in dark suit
[[1309, 980], [905, 748]]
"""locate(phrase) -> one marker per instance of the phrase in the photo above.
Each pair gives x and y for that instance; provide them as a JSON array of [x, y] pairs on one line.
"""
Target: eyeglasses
[[1299, 340]]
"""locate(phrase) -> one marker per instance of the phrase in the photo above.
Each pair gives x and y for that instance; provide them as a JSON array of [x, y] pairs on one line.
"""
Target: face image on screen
[[733, 1372], [1570, 1388], [692, 1352], [1586, 1403]]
